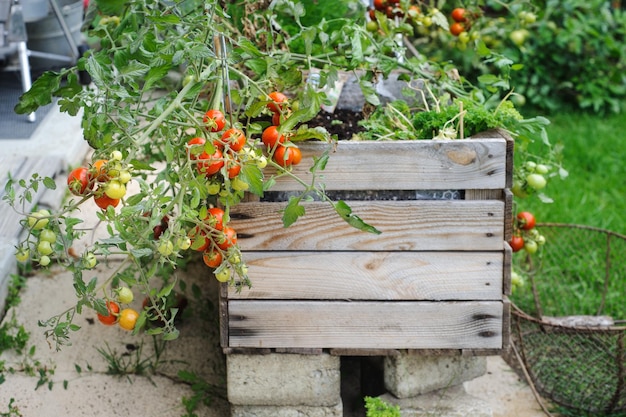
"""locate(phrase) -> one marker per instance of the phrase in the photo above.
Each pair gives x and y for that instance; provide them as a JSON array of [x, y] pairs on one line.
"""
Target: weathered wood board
[[435, 278]]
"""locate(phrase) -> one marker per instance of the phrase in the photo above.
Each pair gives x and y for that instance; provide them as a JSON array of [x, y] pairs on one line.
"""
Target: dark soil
[[343, 123]]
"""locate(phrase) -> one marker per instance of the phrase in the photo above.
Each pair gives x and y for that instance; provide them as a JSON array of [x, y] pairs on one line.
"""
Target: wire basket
[[567, 322]]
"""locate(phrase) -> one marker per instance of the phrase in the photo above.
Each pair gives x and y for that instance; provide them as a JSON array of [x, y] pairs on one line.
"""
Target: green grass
[[594, 154]]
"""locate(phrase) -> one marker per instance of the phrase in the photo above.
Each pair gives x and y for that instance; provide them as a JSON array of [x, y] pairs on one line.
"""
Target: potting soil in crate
[[435, 278]]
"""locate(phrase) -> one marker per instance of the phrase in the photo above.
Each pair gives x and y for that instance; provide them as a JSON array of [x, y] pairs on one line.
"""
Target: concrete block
[[408, 375], [285, 411], [8, 266], [280, 379], [450, 402]]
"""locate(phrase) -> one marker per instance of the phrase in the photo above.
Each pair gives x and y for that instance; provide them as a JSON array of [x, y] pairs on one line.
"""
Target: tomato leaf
[[49, 183], [253, 176], [345, 212], [40, 92], [292, 211]]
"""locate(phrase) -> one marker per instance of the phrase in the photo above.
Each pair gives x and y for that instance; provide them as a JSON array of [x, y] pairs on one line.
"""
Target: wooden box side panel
[[373, 276], [405, 225], [406, 165], [365, 325]]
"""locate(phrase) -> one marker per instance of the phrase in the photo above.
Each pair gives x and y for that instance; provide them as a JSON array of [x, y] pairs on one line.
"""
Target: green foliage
[[12, 410], [15, 287], [375, 407]]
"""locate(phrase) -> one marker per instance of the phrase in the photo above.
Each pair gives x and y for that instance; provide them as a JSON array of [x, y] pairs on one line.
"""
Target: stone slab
[[451, 402], [408, 375], [285, 411], [281, 379]]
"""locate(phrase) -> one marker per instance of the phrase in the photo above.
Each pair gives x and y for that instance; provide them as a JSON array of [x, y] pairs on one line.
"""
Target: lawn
[[594, 154]]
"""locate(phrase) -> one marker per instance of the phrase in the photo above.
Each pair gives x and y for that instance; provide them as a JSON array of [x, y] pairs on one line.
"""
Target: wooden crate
[[435, 279]]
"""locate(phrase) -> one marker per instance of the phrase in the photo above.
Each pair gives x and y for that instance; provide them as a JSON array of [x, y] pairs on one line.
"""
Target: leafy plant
[[376, 407]]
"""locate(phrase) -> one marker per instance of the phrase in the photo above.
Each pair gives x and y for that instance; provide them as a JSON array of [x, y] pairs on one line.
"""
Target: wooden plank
[[405, 225], [366, 325], [405, 165], [373, 276]]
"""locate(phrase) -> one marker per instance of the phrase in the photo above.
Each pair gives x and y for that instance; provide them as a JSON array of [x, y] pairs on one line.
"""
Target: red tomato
[[79, 181], [271, 136], [105, 201], [277, 99], [229, 238], [525, 220], [195, 147], [458, 14], [210, 164], [199, 241], [233, 169], [287, 155], [235, 138], [215, 218], [456, 28], [212, 258], [517, 243], [214, 120], [276, 119], [380, 5], [111, 318]]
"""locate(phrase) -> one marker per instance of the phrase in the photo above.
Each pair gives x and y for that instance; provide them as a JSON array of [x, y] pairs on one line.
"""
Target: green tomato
[[115, 189], [518, 189], [223, 275], [530, 246], [90, 261], [536, 181], [239, 185], [22, 255], [261, 162], [124, 177], [48, 235], [530, 166], [166, 247], [44, 248], [39, 219], [213, 188], [44, 261], [519, 36], [542, 169], [116, 155], [183, 242], [125, 295]]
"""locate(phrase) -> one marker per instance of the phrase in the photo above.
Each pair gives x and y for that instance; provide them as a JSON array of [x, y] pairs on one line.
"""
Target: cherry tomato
[[128, 318], [536, 181], [100, 170], [277, 117], [277, 101], [115, 189], [39, 219], [48, 236], [235, 138], [125, 295], [458, 14], [199, 241], [456, 28], [530, 246], [195, 147], [271, 137], [113, 309], [525, 220], [214, 120], [105, 201], [212, 258], [233, 169], [223, 275], [517, 243], [210, 164], [165, 247], [380, 5], [229, 238], [287, 156], [79, 181], [215, 218]]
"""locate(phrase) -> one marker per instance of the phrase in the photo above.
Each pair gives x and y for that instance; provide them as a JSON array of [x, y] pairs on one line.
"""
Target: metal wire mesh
[[568, 322]]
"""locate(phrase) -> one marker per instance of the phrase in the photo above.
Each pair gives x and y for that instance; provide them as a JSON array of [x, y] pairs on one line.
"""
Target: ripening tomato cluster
[[222, 155], [105, 180], [278, 145], [529, 179], [525, 235], [127, 317], [216, 240]]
